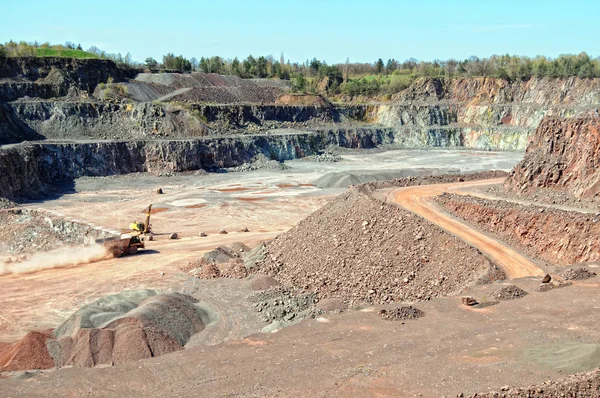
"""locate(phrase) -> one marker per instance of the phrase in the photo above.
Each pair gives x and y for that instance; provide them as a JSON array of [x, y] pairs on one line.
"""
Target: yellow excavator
[[140, 227]]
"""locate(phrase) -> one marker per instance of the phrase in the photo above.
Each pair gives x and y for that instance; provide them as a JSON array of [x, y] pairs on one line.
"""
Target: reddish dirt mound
[[27, 354], [556, 236], [237, 189], [302, 100], [198, 206], [360, 249]]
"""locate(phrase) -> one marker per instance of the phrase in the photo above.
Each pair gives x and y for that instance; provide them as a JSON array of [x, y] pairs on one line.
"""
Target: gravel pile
[[362, 250], [222, 262], [213, 88], [260, 162], [325, 157], [125, 327], [581, 385], [283, 306], [578, 274], [511, 292], [401, 313], [29, 231]]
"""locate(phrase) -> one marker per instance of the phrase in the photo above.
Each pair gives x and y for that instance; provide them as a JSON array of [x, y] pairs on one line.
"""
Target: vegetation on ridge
[[352, 79]]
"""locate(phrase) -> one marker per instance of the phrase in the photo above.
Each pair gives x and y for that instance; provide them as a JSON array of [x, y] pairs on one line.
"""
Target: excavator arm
[[147, 228]]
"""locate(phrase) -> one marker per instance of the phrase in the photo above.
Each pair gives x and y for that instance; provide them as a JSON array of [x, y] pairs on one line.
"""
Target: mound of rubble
[[581, 385], [401, 313], [283, 307], [362, 250], [28, 231], [578, 274], [511, 292], [222, 262]]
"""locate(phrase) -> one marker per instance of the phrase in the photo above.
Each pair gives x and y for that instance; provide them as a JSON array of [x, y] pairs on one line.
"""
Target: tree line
[[379, 77]]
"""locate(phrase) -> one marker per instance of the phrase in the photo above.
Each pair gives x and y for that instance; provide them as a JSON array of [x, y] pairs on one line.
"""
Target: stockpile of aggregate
[[211, 87], [362, 250]]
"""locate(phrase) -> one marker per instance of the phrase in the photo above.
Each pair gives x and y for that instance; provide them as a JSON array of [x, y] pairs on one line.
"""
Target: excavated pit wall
[[488, 113], [29, 170], [36, 120], [51, 77]]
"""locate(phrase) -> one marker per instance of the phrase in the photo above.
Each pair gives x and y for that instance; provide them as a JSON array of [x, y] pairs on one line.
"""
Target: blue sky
[[327, 29]]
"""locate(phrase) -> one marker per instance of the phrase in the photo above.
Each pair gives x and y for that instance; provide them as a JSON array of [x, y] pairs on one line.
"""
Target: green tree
[[235, 67], [315, 65], [261, 67], [299, 84], [379, 66], [3, 52], [151, 63]]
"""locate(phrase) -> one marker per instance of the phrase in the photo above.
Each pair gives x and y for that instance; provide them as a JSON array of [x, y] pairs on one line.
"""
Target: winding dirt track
[[417, 199]]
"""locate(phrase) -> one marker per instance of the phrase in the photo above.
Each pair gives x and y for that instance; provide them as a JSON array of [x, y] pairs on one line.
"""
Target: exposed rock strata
[[26, 170], [489, 112], [563, 155]]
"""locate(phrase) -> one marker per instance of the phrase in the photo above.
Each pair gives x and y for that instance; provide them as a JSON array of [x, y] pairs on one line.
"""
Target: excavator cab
[[140, 227], [137, 227]]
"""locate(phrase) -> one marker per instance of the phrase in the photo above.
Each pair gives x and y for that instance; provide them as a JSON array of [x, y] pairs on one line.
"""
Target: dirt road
[[417, 199]]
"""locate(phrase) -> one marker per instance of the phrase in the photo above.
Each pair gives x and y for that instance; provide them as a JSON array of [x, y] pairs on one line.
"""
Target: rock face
[[47, 77], [487, 112], [37, 120], [563, 154], [27, 169]]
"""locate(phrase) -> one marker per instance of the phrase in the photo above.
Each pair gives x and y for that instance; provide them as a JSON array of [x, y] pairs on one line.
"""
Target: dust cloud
[[61, 257]]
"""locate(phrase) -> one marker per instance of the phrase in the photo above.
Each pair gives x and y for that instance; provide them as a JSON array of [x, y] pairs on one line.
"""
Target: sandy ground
[[266, 202], [451, 349]]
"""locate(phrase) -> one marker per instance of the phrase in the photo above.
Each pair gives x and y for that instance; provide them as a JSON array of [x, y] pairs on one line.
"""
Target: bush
[[299, 84]]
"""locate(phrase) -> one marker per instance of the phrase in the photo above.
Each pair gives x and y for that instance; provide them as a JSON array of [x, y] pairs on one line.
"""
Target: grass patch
[[63, 53]]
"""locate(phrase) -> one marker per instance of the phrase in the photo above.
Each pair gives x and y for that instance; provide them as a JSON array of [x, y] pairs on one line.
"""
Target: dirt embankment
[[363, 250], [563, 155], [555, 236], [29, 231], [581, 385]]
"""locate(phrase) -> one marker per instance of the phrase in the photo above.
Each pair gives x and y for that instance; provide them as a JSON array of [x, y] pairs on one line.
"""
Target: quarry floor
[[267, 202], [452, 349]]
